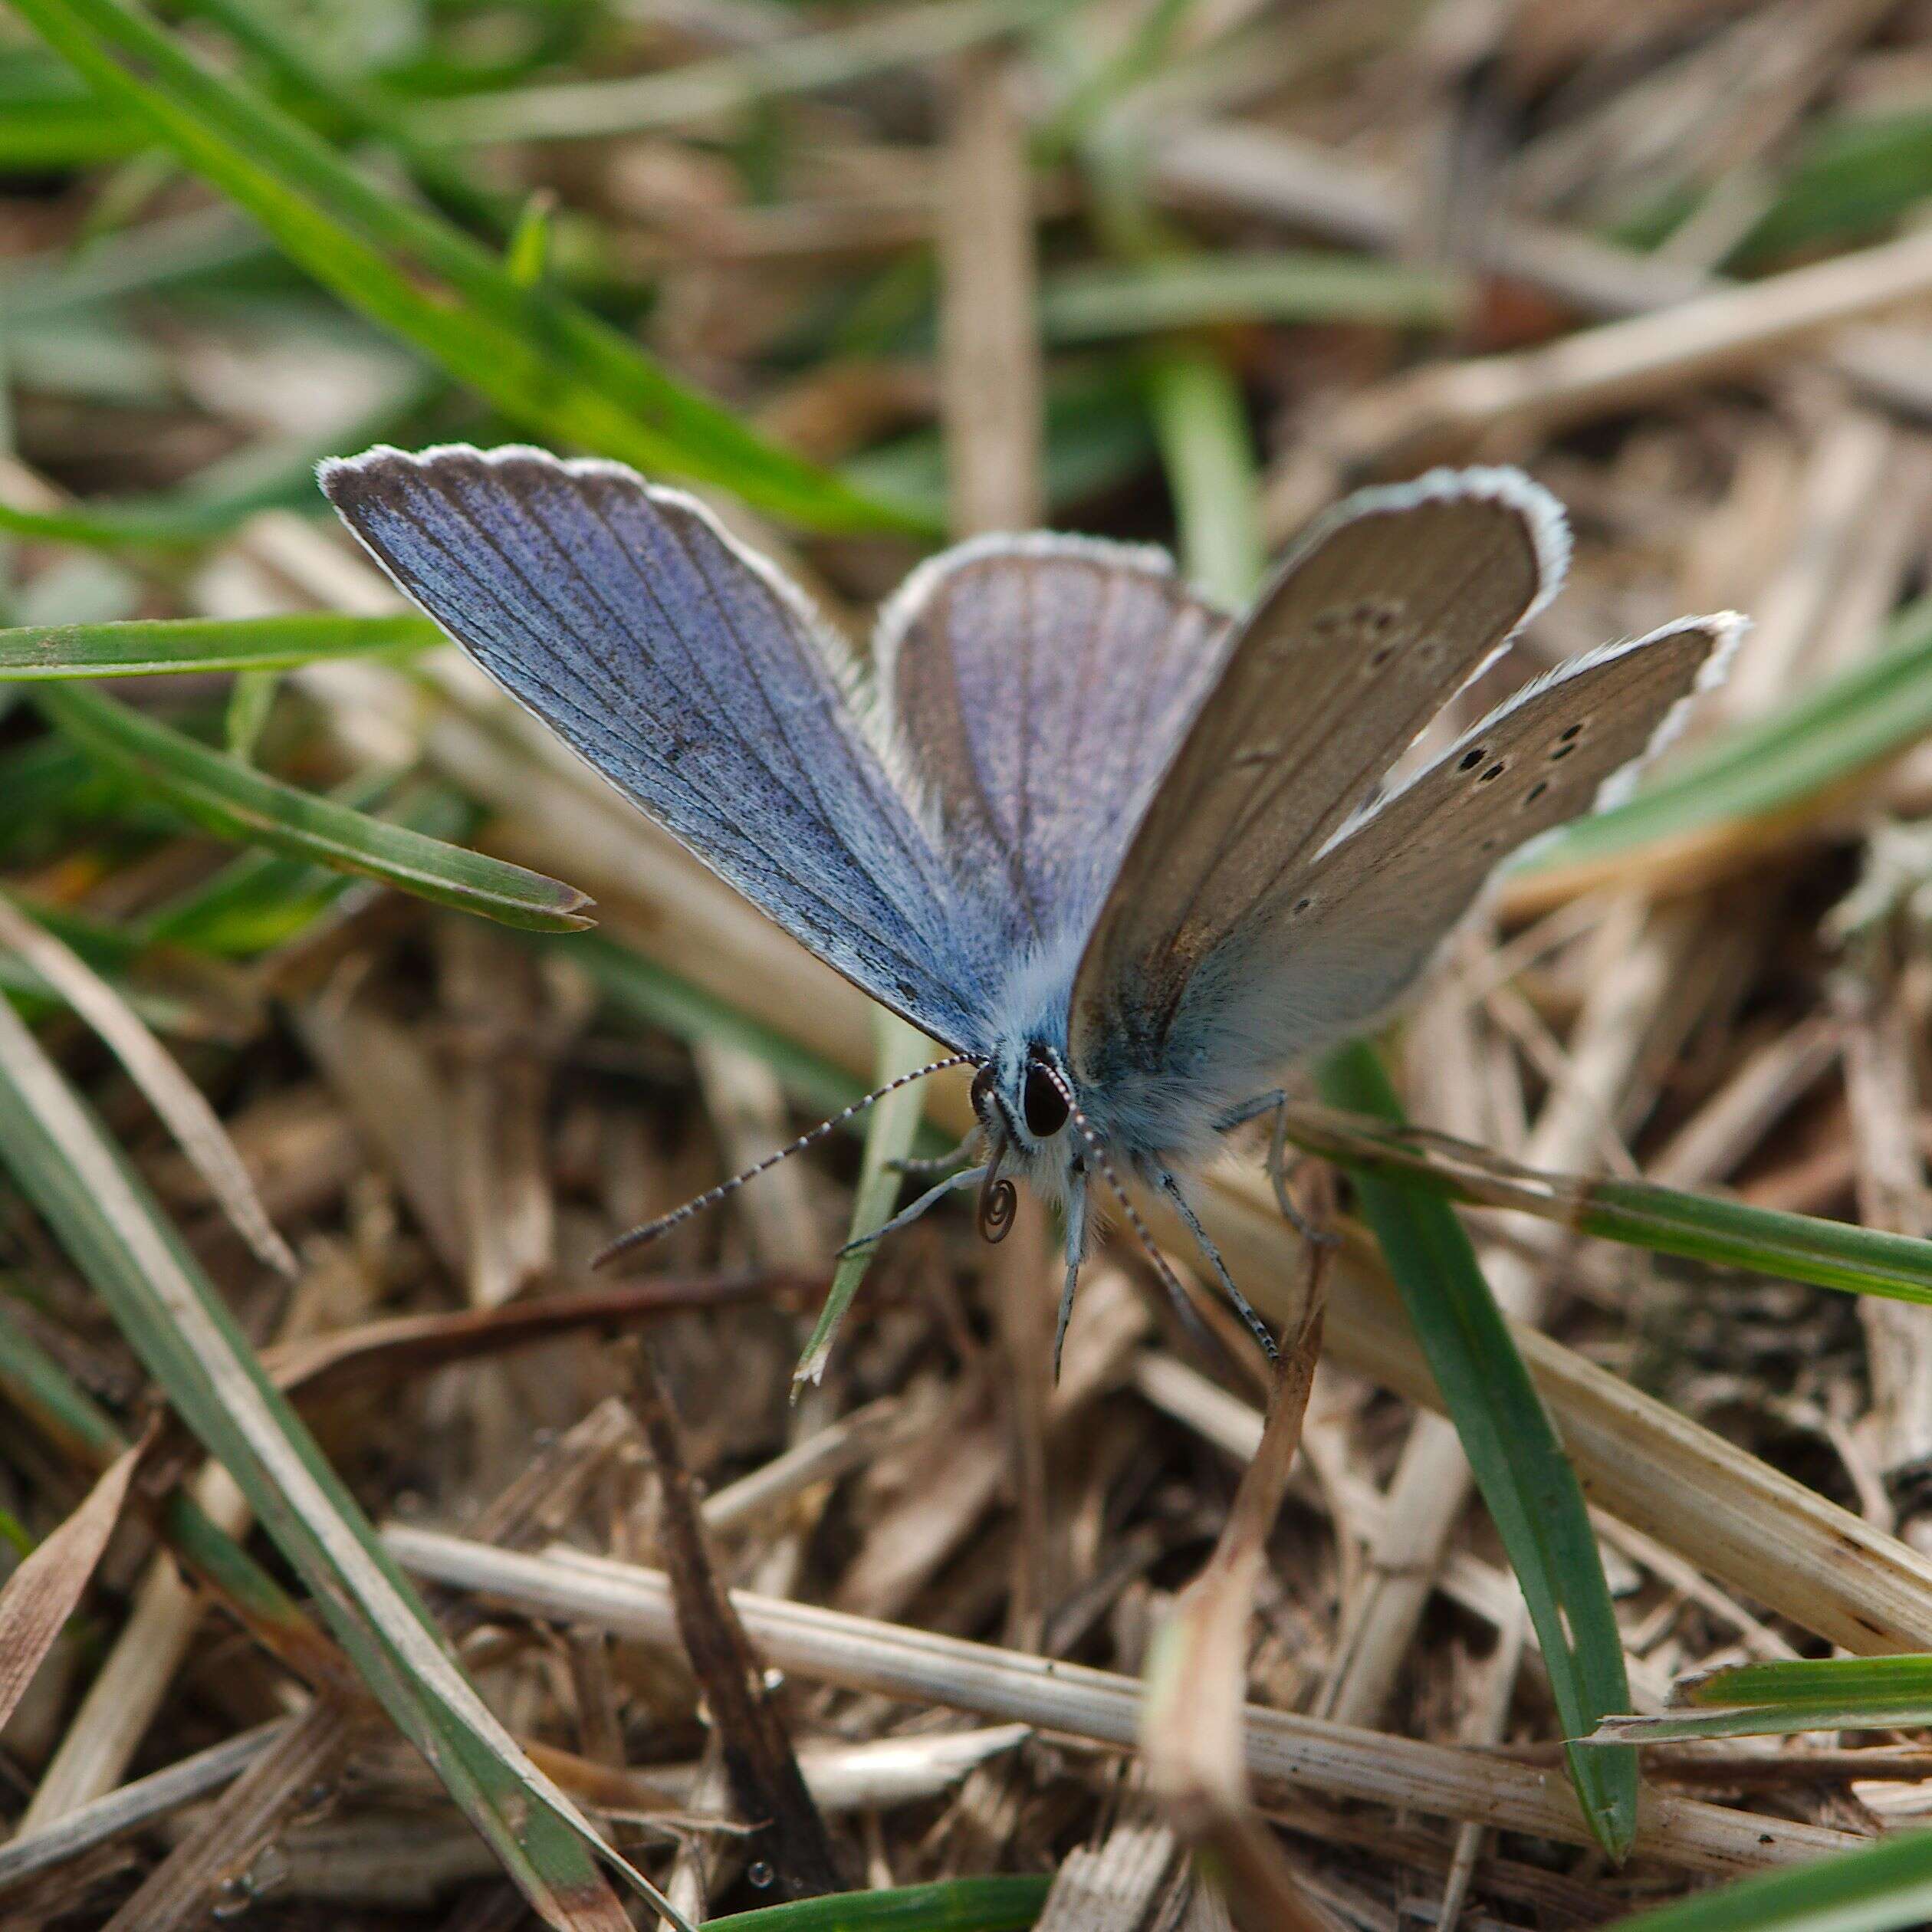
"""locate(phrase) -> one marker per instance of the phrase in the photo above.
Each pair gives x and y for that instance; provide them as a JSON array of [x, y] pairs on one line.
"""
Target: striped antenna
[[638, 1237]]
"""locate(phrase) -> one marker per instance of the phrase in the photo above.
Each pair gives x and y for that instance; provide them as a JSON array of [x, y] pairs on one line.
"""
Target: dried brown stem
[[786, 1830]]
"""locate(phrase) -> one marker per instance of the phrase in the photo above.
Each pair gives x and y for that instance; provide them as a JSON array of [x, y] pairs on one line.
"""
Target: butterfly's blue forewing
[[696, 682]]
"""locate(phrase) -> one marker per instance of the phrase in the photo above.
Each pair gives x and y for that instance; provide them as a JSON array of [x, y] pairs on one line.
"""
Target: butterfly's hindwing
[[1041, 684]]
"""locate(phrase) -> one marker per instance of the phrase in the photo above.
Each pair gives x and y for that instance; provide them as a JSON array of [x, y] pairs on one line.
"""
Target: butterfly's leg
[[938, 1163], [1280, 1168], [966, 1178], [1171, 1188], [1076, 1207], [1247, 1110]]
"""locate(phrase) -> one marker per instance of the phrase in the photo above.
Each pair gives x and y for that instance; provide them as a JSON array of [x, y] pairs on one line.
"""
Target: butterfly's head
[[1024, 1100]]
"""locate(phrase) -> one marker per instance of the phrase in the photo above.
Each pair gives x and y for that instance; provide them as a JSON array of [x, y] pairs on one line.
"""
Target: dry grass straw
[[1281, 1749], [1192, 1726]]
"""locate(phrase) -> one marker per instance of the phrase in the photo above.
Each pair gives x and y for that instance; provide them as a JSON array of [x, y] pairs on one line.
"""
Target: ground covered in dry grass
[[305, 1113]]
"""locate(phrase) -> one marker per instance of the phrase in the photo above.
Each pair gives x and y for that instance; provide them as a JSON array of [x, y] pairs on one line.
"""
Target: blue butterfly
[[1126, 856]]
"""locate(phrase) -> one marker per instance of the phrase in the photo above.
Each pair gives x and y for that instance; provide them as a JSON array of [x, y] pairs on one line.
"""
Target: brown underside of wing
[[1358, 644]]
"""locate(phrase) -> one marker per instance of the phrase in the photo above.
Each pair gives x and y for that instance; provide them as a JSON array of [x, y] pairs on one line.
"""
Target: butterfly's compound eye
[[1045, 1106]]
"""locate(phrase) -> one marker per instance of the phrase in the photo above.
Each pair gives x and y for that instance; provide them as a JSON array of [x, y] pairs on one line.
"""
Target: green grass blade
[[1731, 1233], [1202, 431], [149, 647], [889, 1135], [1778, 1700], [160, 254], [1880, 708], [261, 900], [251, 697], [546, 362], [1639, 1213], [1850, 178], [177, 522], [1884, 1890], [236, 802], [527, 254], [1009, 1904], [1107, 300], [58, 125], [178, 1323], [578, 110], [1518, 1464]]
